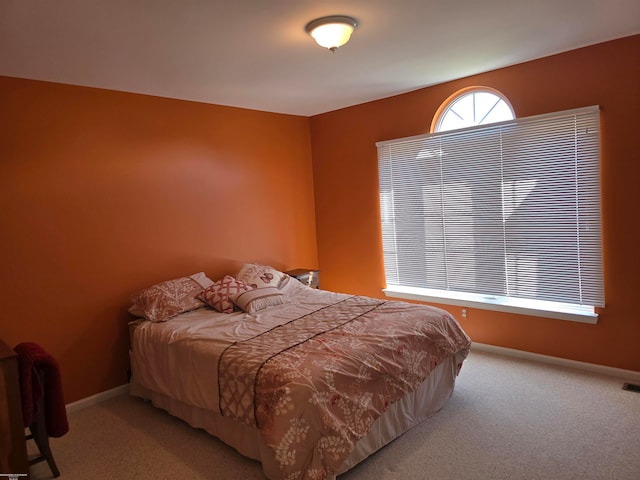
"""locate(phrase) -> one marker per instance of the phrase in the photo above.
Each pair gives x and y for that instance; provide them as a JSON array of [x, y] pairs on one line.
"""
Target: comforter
[[314, 384]]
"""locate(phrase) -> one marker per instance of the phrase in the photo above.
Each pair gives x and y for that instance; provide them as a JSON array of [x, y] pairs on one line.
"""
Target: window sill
[[501, 304]]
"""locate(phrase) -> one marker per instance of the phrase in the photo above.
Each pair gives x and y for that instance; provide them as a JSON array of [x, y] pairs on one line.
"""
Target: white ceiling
[[255, 53]]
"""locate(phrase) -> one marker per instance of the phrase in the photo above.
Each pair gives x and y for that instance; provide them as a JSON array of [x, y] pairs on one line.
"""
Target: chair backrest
[[41, 388]]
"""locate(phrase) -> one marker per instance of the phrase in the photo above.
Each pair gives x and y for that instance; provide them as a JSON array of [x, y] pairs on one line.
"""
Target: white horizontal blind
[[510, 209]]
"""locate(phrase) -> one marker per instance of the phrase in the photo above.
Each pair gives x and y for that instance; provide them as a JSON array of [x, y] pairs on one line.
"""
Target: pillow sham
[[257, 299], [218, 294], [258, 276], [290, 286], [165, 300]]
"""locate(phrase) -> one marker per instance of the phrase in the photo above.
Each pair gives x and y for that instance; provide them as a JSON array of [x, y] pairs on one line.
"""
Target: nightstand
[[309, 277]]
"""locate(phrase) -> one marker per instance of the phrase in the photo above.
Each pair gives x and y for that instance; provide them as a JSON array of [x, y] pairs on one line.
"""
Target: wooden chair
[[43, 409], [39, 434]]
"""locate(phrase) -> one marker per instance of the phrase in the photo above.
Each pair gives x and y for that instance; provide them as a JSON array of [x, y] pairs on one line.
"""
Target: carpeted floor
[[507, 419]]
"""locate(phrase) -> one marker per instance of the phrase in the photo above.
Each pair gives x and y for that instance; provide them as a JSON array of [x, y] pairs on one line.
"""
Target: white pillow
[[258, 276], [257, 299]]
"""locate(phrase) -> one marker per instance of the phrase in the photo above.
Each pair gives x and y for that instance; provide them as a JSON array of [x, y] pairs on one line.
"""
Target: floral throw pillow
[[258, 276], [219, 293], [165, 300]]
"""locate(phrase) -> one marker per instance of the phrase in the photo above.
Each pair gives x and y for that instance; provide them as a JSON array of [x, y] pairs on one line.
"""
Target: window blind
[[507, 212]]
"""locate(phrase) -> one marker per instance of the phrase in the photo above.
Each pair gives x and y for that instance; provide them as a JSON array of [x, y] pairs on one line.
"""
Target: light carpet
[[507, 419]]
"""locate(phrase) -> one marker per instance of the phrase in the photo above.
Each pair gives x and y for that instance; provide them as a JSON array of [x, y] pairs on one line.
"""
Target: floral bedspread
[[315, 385]]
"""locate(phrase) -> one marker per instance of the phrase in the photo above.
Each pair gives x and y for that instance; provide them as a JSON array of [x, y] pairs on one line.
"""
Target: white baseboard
[[97, 398], [629, 375]]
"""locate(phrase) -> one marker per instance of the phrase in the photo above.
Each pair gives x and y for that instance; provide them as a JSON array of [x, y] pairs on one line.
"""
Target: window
[[504, 216], [477, 106]]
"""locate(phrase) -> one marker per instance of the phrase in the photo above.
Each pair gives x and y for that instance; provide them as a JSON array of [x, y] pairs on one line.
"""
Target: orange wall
[[103, 193], [346, 193]]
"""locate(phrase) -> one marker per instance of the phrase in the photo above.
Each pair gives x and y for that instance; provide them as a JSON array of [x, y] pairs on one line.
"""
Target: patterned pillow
[[217, 295], [257, 299], [258, 276], [165, 300]]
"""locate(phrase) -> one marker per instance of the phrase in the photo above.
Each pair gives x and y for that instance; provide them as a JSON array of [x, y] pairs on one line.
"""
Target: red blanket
[[31, 359]]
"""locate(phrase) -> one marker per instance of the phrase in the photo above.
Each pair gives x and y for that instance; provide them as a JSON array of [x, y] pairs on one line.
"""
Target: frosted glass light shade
[[331, 32]]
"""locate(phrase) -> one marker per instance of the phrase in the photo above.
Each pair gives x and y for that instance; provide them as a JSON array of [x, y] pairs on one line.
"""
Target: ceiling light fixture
[[333, 31]]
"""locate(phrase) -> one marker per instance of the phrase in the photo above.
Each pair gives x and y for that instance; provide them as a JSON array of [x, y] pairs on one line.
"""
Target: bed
[[306, 381]]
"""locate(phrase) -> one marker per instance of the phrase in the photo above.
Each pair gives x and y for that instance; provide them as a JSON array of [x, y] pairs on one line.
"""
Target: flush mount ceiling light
[[333, 31]]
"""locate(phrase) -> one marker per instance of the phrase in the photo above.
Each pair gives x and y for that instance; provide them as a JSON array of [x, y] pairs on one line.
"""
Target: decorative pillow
[[257, 299], [217, 295], [258, 276], [165, 300]]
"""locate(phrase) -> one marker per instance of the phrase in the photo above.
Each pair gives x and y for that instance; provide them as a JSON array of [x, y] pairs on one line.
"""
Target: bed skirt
[[415, 407]]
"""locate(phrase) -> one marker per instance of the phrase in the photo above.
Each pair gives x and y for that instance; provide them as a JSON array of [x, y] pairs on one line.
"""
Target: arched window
[[495, 212], [470, 107]]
